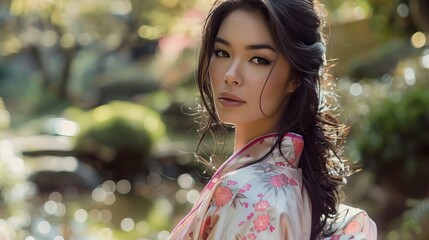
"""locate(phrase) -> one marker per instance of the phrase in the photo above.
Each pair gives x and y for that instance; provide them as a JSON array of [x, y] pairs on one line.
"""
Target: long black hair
[[297, 29]]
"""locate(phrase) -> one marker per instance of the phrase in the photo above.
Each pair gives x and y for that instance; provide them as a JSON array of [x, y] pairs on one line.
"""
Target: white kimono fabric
[[265, 200]]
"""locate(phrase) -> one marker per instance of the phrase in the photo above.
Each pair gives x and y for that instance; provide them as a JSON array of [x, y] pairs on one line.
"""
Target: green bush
[[117, 138], [394, 142]]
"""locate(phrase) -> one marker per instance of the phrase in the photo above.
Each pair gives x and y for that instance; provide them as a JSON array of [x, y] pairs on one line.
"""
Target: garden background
[[98, 102]]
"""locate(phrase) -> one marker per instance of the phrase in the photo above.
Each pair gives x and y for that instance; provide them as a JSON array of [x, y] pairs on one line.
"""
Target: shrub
[[394, 142], [117, 138]]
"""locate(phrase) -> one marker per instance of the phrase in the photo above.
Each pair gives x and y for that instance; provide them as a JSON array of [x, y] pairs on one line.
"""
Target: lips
[[230, 100], [230, 97]]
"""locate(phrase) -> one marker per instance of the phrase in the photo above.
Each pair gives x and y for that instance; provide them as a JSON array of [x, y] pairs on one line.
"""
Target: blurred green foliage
[[117, 138], [394, 141]]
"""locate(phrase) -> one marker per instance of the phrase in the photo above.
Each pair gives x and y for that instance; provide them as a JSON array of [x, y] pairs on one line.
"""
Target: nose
[[232, 76]]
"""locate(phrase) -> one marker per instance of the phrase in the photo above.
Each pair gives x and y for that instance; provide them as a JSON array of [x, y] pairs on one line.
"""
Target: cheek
[[274, 94], [214, 74]]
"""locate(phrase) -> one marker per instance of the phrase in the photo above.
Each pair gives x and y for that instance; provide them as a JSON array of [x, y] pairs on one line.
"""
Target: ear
[[293, 85]]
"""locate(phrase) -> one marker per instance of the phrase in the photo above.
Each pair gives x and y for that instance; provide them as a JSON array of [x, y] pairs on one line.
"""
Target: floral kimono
[[247, 199]]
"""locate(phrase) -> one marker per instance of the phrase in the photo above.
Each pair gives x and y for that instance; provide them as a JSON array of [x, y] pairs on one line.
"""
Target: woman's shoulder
[[266, 180]]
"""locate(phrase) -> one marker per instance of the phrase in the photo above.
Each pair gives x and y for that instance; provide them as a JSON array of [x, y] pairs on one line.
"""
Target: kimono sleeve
[[357, 226]]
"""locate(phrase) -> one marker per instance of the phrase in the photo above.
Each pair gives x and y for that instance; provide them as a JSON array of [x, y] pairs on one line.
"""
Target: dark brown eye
[[260, 61], [221, 54]]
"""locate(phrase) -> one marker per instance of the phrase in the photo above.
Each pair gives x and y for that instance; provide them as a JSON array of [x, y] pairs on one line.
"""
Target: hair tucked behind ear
[[296, 27]]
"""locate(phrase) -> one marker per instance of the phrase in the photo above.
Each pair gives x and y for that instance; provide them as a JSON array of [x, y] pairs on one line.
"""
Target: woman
[[262, 70]]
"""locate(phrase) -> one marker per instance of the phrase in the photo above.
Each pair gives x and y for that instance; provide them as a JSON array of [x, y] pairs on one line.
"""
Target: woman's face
[[245, 93]]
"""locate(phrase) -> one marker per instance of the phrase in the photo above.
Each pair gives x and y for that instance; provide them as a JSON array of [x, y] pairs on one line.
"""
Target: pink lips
[[230, 100]]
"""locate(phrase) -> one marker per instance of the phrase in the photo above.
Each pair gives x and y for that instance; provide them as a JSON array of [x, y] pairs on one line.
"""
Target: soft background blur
[[97, 103]]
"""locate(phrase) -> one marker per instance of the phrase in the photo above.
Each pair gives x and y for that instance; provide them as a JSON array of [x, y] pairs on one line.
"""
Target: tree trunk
[[65, 74]]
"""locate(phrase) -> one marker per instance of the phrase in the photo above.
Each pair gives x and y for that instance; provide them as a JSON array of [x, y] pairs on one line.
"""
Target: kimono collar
[[291, 148]]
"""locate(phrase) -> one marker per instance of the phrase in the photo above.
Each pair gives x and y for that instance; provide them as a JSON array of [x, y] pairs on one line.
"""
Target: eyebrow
[[248, 47]]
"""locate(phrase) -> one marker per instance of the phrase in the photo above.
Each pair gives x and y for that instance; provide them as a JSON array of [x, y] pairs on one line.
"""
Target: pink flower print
[[251, 236], [279, 180], [261, 222], [247, 155], [240, 223], [272, 228], [261, 141], [246, 204], [222, 196], [261, 205], [280, 164], [231, 182], [353, 227], [249, 216], [260, 195], [335, 237], [245, 188], [298, 145], [293, 182]]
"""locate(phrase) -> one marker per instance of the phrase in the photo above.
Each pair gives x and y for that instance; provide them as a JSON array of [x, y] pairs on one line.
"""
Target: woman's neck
[[245, 134]]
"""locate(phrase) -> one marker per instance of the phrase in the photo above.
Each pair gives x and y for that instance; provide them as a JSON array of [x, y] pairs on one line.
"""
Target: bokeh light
[[81, 215], [50, 207], [186, 181], [123, 186], [99, 194], [143, 228], [105, 233], [120, 7], [109, 186], [44, 227], [163, 235], [61, 210], [425, 59], [110, 198], [418, 40], [402, 10], [409, 76], [106, 215], [192, 196], [127, 224], [94, 215], [56, 196], [181, 196], [356, 89]]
